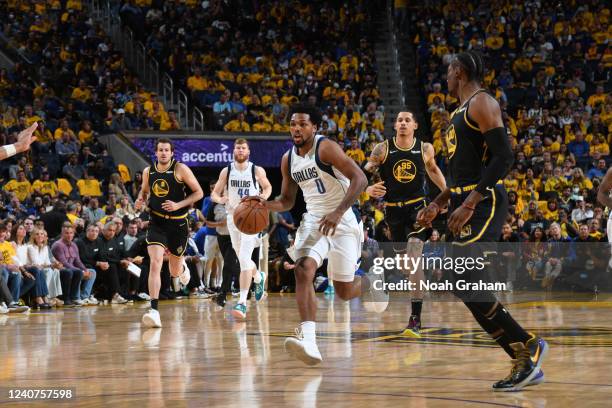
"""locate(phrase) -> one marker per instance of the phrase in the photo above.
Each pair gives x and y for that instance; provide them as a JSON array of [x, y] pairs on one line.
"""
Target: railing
[[396, 61], [183, 106], [168, 89], [198, 120], [135, 54]]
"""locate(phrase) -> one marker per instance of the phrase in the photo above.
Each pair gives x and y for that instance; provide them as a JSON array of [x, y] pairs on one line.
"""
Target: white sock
[[257, 277], [243, 296], [308, 330]]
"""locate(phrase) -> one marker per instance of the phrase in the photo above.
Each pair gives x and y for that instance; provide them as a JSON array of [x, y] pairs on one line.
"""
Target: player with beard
[[163, 185], [479, 158], [331, 182], [403, 163], [240, 179]]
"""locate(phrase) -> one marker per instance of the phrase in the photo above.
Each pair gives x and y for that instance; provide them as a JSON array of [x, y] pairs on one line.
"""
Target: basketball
[[250, 217]]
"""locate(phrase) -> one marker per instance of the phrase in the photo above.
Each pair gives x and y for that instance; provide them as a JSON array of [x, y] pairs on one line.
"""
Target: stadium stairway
[[389, 76], [397, 78]]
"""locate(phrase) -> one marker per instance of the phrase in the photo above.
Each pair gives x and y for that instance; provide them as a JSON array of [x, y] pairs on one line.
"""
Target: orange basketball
[[250, 217]]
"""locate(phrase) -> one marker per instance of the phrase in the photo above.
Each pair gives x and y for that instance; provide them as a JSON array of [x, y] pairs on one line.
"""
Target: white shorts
[[243, 245], [211, 247], [610, 230], [342, 250]]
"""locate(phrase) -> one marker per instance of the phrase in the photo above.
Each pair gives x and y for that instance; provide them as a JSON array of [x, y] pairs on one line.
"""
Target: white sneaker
[[185, 275], [144, 296], [375, 300], [85, 302], [151, 319], [118, 300], [3, 308], [79, 302], [303, 350], [93, 300]]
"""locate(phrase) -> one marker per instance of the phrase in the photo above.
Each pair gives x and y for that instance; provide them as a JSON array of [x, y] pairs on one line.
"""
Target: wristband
[[10, 150]]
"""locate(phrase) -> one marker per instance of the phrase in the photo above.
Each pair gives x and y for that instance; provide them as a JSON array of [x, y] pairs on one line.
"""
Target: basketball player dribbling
[[604, 196], [238, 180], [480, 156], [402, 163], [331, 182], [163, 185]]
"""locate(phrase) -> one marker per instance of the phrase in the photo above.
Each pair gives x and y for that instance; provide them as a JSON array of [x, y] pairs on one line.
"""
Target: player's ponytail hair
[[472, 63]]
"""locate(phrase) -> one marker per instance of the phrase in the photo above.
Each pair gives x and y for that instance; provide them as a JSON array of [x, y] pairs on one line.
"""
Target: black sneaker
[[414, 327], [220, 299], [526, 366]]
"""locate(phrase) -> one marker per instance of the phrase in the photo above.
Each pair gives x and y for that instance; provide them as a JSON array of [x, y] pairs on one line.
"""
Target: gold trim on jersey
[[174, 174], [467, 122], [403, 203], [155, 243], [423, 154], [467, 189], [486, 225], [169, 217], [414, 140], [157, 170], [451, 141]]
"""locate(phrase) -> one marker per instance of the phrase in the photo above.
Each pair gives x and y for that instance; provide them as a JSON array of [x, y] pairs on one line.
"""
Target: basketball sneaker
[[302, 349], [185, 276], [220, 299], [414, 327], [260, 287], [151, 318], [239, 311], [374, 300], [526, 365], [538, 379]]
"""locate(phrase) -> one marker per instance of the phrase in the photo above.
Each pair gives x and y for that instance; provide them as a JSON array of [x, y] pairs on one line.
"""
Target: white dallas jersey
[[323, 186], [240, 183]]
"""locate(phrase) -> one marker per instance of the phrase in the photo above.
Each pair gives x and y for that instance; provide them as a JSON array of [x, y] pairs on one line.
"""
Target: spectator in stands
[[598, 171], [116, 186], [120, 122], [55, 219], [73, 170], [170, 122], [32, 277], [45, 186], [125, 208], [89, 252], [222, 110], [72, 269], [110, 269], [21, 187], [39, 257], [136, 184], [66, 146], [238, 124], [93, 213], [90, 185]]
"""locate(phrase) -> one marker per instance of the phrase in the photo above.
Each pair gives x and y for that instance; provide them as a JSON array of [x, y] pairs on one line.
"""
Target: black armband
[[501, 159]]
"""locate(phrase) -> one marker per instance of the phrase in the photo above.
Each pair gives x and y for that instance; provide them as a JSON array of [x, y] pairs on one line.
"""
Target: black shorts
[[171, 234], [488, 218], [402, 222]]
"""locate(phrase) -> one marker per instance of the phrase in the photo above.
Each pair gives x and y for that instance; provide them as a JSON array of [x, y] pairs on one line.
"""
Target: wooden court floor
[[202, 358]]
